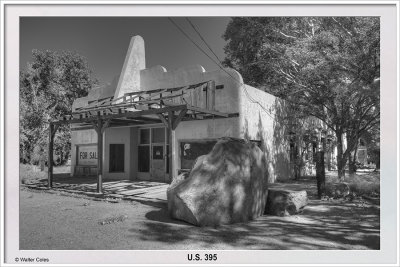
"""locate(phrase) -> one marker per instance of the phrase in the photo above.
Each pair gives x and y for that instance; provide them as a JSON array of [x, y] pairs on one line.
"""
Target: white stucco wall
[[261, 118]]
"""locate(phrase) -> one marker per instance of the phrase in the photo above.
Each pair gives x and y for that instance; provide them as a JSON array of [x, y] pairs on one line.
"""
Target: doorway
[[153, 154]]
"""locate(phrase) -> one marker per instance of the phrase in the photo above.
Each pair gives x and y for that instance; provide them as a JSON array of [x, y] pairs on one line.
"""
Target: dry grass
[[31, 173], [367, 183]]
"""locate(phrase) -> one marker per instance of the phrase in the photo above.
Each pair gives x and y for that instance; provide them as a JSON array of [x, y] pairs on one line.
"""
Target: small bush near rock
[[360, 184], [30, 174], [337, 190], [364, 184]]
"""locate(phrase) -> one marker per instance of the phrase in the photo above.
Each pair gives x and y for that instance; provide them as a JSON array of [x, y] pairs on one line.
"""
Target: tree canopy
[[48, 87], [327, 67]]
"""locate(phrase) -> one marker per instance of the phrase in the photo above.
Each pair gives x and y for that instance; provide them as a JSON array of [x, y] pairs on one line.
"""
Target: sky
[[104, 41]]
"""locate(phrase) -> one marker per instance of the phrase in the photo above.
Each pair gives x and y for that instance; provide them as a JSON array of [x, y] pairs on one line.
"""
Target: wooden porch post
[[171, 152], [99, 156], [100, 127]]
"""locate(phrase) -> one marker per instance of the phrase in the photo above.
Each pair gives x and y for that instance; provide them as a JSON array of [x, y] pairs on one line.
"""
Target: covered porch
[[167, 107]]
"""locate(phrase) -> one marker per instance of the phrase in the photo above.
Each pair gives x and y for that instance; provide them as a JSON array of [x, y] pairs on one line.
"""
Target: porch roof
[[192, 102]]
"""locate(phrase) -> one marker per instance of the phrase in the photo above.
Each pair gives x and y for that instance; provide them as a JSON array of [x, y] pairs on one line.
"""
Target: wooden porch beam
[[206, 111], [105, 125], [129, 114], [178, 119], [82, 128], [164, 121]]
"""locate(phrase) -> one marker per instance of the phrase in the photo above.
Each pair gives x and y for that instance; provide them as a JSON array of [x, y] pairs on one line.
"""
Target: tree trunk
[[352, 146], [352, 162], [351, 165], [297, 161], [320, 173], [341, 159], [41, 163]]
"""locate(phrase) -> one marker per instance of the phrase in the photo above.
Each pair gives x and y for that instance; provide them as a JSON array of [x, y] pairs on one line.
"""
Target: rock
[[283, 202], [337, 190], [227, 185]]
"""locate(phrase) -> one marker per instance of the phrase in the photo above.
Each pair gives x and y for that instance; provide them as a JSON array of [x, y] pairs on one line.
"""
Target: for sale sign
[[87, 155]]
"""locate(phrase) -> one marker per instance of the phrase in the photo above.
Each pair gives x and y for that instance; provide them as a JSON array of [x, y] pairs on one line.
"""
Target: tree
[[48, 87], [372, 141], [327, 67]]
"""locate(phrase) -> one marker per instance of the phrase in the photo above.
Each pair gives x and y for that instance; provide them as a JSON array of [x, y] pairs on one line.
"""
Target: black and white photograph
[[200, 134]]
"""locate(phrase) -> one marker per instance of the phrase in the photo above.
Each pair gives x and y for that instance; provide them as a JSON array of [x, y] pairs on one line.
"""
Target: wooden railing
[[201, 95]]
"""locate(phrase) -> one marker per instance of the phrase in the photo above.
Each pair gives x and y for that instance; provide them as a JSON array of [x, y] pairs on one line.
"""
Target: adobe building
[[152, 123]]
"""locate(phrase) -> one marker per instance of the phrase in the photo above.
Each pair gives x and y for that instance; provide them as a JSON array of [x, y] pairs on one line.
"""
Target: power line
[[219, 64], [201, 37], [221, 67], [191, 40]]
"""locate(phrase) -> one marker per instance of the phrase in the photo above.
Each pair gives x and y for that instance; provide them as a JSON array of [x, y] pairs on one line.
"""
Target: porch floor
[[112, 189]]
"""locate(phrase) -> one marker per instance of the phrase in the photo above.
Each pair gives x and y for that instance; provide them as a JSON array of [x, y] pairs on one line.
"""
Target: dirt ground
[[59, 222]]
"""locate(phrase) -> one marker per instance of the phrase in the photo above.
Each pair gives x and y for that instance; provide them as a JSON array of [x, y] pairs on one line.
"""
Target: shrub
[[29, 173], [364, 184]]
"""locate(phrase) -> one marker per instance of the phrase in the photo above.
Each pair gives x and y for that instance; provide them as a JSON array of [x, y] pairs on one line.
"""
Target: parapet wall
[[226, 97]]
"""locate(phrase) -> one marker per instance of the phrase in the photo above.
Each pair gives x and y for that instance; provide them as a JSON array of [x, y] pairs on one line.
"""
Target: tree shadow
[[273, 141], [323, 225], [280, 140]]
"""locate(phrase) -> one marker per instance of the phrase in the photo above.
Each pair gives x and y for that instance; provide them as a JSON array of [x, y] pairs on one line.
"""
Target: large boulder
[[282, 202], [226, 186], [337, 190]]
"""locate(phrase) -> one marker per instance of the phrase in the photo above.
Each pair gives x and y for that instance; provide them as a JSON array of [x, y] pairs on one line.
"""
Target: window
[[190, 151], [158, 135], [144, 150], [117, 157], [144, 136]]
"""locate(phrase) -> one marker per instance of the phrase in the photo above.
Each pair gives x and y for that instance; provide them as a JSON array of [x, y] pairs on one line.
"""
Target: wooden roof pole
[[171, 152], [100, 127]]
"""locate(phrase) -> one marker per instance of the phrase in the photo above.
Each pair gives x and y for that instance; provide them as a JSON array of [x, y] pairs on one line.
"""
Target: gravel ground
[[58, 222]]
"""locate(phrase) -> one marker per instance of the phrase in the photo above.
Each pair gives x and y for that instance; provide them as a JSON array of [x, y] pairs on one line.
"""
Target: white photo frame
[[389, 13]]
